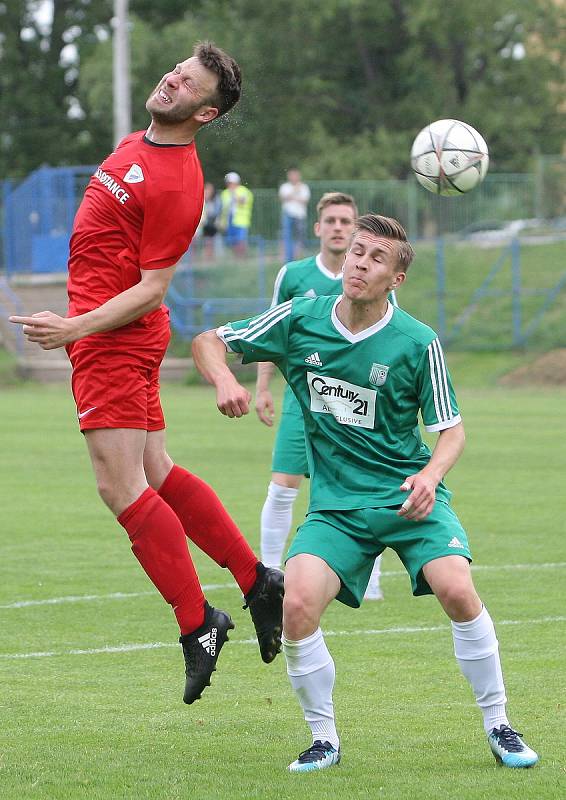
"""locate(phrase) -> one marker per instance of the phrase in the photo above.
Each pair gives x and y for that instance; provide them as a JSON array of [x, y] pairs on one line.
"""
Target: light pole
[[121, 71]]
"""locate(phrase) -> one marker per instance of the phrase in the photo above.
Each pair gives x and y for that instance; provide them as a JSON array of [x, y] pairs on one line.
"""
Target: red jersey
[[140, 210]]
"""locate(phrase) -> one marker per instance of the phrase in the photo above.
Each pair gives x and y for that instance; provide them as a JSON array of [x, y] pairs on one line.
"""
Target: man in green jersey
[[374, 483], [310, 277]]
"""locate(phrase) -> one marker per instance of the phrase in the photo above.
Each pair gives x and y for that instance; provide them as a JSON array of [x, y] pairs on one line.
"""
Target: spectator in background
[[294, 196], [209, 223], [236, 214]]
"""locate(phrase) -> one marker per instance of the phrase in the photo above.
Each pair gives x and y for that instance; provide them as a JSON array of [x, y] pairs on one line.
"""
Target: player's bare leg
[[310, 585], [117, 459], [159, 544], [277, 516], [477, 652], [206, 523]]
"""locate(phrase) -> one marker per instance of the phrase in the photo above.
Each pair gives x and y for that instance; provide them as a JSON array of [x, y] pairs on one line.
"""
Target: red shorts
[[115, 379]]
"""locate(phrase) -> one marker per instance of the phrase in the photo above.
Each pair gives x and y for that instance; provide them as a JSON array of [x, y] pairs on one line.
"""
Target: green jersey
[[360, 395], [305, 278]]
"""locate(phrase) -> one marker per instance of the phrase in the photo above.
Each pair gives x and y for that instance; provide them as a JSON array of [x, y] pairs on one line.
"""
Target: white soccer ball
[[449, 157]]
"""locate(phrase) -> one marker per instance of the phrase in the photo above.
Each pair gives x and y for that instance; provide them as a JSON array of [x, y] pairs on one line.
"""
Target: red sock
[[159, 544], [208, 525]]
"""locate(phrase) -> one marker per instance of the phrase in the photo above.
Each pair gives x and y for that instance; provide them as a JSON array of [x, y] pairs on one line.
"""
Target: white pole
[[121, 71]]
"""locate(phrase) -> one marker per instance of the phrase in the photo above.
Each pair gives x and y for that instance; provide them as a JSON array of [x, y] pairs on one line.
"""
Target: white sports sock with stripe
[[276, 518], [373, 591], [477, 651], [311, 671]]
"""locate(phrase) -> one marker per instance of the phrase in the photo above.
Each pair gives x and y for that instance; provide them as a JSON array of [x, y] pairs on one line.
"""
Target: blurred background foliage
[[339, 89]]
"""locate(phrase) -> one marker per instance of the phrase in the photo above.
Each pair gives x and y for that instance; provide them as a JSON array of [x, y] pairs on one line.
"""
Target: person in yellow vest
[[236, 215]]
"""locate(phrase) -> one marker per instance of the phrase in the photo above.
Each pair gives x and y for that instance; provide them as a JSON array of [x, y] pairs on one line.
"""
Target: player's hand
[[47, 329], [232, 399], [264, 407], [420, 501]]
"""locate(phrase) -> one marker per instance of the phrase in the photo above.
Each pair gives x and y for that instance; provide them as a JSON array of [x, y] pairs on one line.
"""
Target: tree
[[338, 88], [41, 118]]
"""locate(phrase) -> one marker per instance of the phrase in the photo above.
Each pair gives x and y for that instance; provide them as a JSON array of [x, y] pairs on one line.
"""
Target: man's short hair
[[335, 199], [229, 74], [390, 229]]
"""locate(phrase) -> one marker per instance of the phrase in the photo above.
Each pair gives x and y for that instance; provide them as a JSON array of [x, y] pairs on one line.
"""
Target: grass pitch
[[92, 677]]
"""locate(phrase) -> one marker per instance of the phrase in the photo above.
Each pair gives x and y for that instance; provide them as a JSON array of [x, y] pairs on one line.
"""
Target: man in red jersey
[[137, 218]]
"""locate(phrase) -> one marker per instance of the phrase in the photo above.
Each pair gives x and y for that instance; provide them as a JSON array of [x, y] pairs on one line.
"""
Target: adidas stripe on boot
[[201, 649]]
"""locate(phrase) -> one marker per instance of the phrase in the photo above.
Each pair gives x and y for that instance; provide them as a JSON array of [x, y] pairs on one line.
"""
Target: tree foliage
[[41, 120], [339, 88]]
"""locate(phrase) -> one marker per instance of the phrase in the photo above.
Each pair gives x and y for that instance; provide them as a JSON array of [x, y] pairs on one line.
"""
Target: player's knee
[[157, 467], [459, 600], [115, 495], [108, 493], [301, 615]]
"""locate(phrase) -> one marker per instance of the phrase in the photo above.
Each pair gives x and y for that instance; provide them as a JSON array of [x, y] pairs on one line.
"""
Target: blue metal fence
[[39, 211], [38, 218]]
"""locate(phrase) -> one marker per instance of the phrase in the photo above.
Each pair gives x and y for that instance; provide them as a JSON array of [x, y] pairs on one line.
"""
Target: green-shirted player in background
[[310, 277], [374, 483]]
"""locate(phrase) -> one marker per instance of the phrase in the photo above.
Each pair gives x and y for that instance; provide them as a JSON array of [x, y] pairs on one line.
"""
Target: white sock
[[311, 671], [477, 650], [276, 518], [373, 588]]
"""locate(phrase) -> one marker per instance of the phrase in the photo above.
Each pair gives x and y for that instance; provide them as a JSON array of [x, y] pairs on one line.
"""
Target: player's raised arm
[[209, 355]]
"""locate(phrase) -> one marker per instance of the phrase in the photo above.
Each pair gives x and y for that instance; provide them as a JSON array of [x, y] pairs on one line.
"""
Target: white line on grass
[[82, 598], [128, 648]]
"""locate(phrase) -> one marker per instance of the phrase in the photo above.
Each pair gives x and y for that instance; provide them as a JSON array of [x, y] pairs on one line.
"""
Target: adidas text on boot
[[201, 649]]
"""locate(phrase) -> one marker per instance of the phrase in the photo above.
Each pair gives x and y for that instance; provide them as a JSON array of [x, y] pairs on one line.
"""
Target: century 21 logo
[[349, 404], [324, 389]]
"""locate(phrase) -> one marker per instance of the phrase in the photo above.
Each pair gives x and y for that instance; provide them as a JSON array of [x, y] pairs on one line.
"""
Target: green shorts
[[290, 452], [349, 542]]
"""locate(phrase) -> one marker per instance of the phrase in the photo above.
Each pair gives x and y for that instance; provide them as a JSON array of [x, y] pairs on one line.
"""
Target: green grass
[[8, 372], [112, 725]]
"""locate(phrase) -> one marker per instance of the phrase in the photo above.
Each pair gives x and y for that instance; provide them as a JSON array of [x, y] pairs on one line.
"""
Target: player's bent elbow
[[197, 343], [158, 296], [200, 342]]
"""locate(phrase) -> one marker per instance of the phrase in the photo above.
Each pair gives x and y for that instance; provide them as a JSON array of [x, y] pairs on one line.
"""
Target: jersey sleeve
[[260, 338], [437, 398], [280, 288], [169, 224]]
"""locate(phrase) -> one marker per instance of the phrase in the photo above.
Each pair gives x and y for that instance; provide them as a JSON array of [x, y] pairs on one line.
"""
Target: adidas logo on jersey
[[454, 542], [134, 174], [208, 641], [313, 360], [310, 293]]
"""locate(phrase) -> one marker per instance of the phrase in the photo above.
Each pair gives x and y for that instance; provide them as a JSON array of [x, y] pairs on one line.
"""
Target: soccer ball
[[449, 157]]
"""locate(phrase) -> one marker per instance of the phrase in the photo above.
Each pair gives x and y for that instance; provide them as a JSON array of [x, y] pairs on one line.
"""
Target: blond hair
[[391, 229]]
